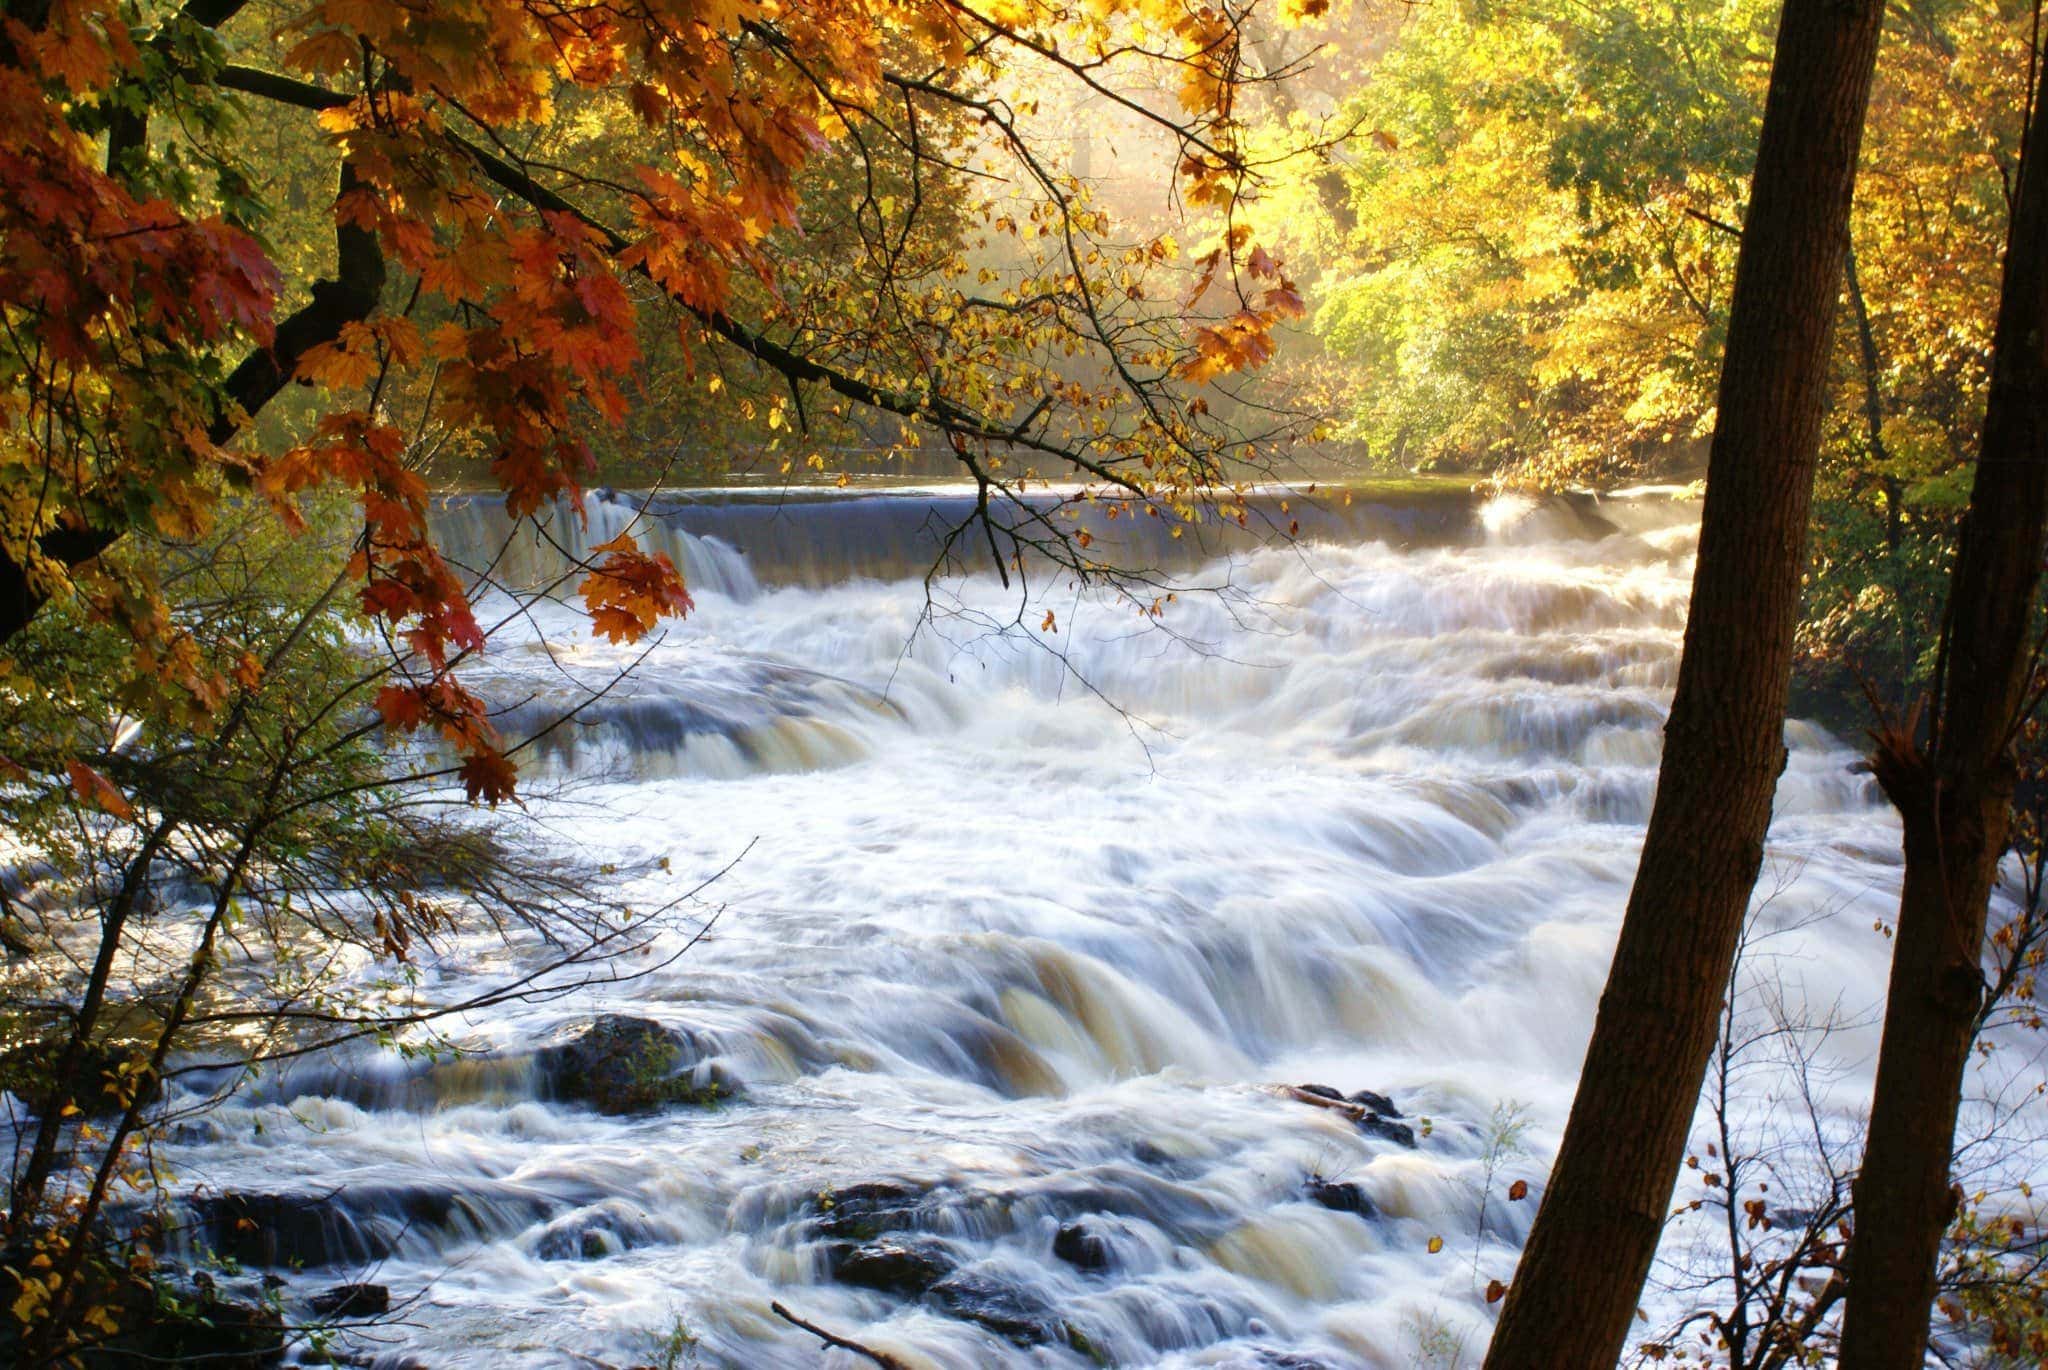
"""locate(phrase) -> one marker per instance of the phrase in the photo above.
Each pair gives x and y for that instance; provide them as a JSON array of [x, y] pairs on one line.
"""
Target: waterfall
[[735, 542], [475, 534], [1041, 913]]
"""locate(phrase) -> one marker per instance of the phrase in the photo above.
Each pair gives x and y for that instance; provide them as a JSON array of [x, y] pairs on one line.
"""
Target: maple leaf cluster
[[113, 302], [491, 289]]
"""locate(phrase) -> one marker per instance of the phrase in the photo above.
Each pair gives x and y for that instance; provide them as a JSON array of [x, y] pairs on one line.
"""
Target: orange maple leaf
[[96, 790]]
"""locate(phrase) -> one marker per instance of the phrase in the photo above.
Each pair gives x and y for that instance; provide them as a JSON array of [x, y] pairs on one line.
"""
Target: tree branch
[[881, 1358]]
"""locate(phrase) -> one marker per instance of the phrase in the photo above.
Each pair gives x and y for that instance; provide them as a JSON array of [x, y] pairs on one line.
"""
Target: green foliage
[[250, 594], [1538, 275], [1547, 198], [195, 859], [1995, 1289], [674, 1347]]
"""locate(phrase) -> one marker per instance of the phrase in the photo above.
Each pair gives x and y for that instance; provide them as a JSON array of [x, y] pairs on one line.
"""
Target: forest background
[[1489, 243]]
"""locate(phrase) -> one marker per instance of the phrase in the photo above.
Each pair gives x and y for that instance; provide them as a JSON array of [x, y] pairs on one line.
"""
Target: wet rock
[[894, 1265], [1372, 1101], [352, 1301], [863, 1212], [1085, 1345], [1269, 1359], [1377, 1103], [354, 1226], [303, 1230], [592, 1234], [1342, 1196], [1080, 1245], [578, 1243], [1373, 1113], [621, 1065], [1120, 1191], [1373, 1125], [1014, 1314], [1146, 1153]]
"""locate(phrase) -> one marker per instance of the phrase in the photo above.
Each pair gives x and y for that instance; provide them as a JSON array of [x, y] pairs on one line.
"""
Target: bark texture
[[1955, 798], [1582, 1272]]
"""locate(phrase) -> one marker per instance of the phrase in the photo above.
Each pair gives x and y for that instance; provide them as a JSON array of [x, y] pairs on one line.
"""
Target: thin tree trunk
[[1582, 1272], [1955, 797], [1873, 404]]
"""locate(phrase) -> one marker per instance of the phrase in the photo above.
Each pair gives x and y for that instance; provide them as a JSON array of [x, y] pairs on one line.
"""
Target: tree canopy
[[511, 191]]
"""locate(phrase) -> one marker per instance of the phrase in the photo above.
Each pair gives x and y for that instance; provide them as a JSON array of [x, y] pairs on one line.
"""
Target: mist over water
[[1031, 925]]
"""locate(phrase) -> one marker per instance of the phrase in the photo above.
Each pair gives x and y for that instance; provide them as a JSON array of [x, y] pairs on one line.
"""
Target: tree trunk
[[1873, 406], [1955, 799], [1583, 1269]]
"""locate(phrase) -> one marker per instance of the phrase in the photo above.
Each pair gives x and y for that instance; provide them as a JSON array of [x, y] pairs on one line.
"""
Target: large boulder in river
[[1015, 1314], [895, 1265], [355, 1224], [862, 1212], [621, 1064]]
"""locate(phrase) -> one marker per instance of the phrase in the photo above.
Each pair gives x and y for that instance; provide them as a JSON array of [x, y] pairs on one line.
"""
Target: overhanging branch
[[938, 411]]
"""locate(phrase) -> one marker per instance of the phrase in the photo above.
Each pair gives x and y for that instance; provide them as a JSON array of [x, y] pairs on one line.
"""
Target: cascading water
[[1009, 975]]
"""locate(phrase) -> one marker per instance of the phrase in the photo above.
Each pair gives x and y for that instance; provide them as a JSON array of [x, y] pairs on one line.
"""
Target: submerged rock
[[1374, 1113], [1269, 1359], [1342, 1196], [1152, 1154], [1374, 1125], [594, 1233], [894, 1265], [1080, 1245], [621, 1064]]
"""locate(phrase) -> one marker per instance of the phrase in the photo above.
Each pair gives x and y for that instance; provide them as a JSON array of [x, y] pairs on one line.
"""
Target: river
[[1031, 925]]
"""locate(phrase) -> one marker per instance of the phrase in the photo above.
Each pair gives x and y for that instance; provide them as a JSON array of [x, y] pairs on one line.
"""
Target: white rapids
[[1016, 959]]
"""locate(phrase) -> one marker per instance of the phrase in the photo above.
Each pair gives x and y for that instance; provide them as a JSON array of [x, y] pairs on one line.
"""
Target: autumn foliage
[[497, 302]]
